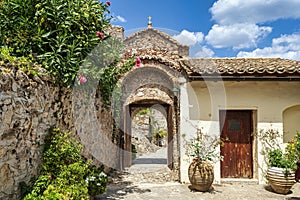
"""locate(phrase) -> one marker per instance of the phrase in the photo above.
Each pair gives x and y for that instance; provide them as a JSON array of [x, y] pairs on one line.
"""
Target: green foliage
[[145, 111], [293, 148], [204, 146], [278, 159], [95, 180], [66, 173], [24, 63], [109, 79], [160, 133], [58, 33], [60, 150]]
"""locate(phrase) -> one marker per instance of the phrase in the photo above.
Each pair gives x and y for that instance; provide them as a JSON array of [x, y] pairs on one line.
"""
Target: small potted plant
[[203, 149], [281, 171], [282, 166], [293, 152]]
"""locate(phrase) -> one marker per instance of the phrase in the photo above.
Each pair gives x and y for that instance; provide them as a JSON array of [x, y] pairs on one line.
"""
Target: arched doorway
[[127, 162], [143, 88]]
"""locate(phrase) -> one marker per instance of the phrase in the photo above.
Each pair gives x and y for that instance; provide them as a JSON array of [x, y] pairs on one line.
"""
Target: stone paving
[[150, 179]]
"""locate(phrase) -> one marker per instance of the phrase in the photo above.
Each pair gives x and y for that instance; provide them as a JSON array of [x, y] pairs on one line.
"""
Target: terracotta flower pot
[[201, 174], [279, 181]]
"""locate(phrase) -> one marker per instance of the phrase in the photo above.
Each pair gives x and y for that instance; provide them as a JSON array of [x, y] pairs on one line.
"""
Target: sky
[[219, 28]]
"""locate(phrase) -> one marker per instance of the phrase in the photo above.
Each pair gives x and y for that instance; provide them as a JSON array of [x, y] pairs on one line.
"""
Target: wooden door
[[170, 137], [236, 128], [127, 153]]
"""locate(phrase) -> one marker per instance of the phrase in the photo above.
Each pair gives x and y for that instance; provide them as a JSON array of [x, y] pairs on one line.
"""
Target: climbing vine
[[110, 77]]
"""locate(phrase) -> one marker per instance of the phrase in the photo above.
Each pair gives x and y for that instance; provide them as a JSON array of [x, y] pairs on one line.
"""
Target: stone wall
[[153, 42], [29, 106]]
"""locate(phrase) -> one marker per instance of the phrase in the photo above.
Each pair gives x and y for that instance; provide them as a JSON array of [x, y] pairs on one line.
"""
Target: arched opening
[[291, 122], [158, 137], [147, 87], [149, 138]]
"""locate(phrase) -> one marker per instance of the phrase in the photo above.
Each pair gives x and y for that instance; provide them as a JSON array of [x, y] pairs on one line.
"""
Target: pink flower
[[82, 79], [100, 35], [138, 62], [108, 3]]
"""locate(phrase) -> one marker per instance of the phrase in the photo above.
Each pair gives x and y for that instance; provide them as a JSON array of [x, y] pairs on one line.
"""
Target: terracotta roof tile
[[240, 66]]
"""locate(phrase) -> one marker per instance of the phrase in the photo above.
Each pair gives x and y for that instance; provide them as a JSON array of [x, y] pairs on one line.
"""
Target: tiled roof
[[241, 66]]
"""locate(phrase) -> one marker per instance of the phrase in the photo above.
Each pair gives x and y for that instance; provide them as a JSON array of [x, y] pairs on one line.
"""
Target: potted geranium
[[203, 149]]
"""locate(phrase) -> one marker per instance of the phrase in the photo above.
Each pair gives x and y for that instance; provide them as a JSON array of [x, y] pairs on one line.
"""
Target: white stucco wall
[[201, 101]]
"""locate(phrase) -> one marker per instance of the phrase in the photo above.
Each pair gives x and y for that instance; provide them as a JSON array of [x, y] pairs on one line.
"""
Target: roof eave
[[243, 78]]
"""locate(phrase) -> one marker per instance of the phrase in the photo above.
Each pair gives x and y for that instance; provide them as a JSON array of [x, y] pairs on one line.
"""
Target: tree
[[58, 33]]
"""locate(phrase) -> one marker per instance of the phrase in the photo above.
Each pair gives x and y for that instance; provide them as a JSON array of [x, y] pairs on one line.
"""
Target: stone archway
[[145, 87], [170, 130]]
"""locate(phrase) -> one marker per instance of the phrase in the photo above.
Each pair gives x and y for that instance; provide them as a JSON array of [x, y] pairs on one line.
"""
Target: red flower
[[82, 79], [138, 62], [108, 3], [100, 35], [50, 178]]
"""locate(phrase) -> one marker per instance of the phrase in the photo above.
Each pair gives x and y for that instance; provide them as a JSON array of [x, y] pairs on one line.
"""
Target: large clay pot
[[280, 181], [201, 174]]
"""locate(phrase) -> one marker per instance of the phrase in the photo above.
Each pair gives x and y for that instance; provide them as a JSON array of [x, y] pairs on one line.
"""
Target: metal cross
[[149, 21]]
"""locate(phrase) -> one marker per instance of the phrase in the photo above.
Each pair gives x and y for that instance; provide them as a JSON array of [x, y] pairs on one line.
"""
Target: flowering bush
[[65, 173], [293, 148], [204, 146], [96, 181], [58, 33]]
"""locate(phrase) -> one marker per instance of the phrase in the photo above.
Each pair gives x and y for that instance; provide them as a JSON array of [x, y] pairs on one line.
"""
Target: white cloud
[[237, 35], [254, 11], [286, 46], [121, 19], [205, 52], [189, 38]]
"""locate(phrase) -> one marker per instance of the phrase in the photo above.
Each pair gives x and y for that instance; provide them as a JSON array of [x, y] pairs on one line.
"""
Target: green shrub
[[26, 64], [65, 173], [279, 159], [58, 33]]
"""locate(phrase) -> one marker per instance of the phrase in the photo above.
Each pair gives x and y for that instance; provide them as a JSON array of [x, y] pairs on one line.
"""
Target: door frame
[[126, 157], [254, 142]]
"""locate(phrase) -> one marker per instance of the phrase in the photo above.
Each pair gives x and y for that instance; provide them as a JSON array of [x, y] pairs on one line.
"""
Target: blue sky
[[219, 28]]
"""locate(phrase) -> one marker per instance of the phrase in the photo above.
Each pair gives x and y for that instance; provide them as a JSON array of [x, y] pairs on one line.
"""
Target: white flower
[[102, 174]]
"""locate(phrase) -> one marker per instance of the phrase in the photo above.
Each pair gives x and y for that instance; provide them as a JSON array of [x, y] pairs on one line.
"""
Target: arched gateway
[[147, 87], [154, 83]]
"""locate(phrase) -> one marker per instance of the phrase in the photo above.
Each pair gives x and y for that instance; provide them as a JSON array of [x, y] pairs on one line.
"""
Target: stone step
[[237, 181]]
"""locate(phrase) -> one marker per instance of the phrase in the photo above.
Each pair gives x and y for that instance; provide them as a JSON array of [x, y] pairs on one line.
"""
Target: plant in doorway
[[203, 148]]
